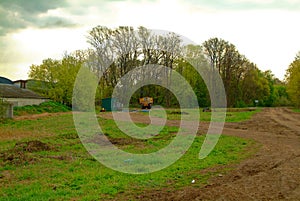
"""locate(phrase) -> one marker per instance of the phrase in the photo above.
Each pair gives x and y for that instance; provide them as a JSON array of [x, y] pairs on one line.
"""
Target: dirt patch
[[22, 153], [101, 140], [31, 146], [37, 116]]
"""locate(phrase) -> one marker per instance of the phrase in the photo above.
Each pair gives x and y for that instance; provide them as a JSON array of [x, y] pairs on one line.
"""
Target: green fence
[[110, 104]]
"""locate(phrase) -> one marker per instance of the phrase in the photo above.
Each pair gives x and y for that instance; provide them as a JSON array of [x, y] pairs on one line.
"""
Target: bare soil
[[272, 173], [21, 153], [36, 116]]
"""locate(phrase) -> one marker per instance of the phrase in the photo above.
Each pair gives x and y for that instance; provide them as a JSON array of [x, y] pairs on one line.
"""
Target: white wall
[[25, 101]]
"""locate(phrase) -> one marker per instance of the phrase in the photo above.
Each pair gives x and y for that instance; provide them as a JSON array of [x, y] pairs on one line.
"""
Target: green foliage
[[296, 110], [187, 69], [241, 104], [49, 106], [254, 86], [55, 78], [84, 91], [281, 96], [243, 81], [265, 88], [118, 51], [293, 81], [39, 87], [270, 99]]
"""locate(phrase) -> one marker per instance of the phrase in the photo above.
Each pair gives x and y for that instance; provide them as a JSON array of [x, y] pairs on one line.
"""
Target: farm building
[[20, 83], [17, 94], [4, 80]]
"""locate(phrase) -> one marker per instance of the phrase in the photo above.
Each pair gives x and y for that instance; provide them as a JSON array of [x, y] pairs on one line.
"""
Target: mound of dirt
[[32, 146], [22, 152]]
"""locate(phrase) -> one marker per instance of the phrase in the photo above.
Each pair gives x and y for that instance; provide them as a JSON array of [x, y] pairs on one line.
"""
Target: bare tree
[[228, 62]]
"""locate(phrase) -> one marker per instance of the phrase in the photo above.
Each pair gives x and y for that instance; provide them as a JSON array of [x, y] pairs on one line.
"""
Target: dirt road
[[273, 173]]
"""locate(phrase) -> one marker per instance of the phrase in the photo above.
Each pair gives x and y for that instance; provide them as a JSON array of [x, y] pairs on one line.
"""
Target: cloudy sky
[[267, 32]]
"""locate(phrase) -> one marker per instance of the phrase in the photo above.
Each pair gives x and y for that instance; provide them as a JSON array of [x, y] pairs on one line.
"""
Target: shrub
[[50, 107]]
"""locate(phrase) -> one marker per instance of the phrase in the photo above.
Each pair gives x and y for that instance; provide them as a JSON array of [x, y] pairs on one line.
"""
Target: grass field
[[232, 115], [296, 110], [43, 159]]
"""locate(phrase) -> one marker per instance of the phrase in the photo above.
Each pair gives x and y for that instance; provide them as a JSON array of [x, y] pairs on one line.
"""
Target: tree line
[[115, 52], [293, 81]]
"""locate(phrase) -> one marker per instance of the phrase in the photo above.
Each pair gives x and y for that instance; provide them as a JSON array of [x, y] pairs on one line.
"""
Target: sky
[[267, 32]]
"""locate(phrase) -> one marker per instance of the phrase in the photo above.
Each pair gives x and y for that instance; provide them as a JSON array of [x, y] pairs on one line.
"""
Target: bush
[[282, 101], [241, 104], [50, 107]]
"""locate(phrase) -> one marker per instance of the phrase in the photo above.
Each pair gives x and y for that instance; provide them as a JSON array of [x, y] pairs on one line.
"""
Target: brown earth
[[21, 153], [36, 116], [272, 173]]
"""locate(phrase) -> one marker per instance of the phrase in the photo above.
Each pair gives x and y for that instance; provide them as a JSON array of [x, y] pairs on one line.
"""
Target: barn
[[17, 95]]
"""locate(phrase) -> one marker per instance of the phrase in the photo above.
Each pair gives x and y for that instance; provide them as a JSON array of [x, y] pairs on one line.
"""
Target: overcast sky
[[267, 32]]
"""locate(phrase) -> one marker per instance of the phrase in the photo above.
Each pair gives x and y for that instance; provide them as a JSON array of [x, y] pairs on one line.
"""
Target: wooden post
[[7, 110], [10, 110]]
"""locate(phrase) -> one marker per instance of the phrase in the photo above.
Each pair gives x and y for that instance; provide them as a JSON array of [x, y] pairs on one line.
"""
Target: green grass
[[232, 115], [66, 171], [50, 107], [240, 116], [296, 110]]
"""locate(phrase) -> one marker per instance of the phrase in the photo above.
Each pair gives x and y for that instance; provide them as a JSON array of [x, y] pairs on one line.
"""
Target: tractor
[[146, 102]]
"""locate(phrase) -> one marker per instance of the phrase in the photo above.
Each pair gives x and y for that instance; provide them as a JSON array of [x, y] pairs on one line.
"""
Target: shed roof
[[11, 91], [4, 80]]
